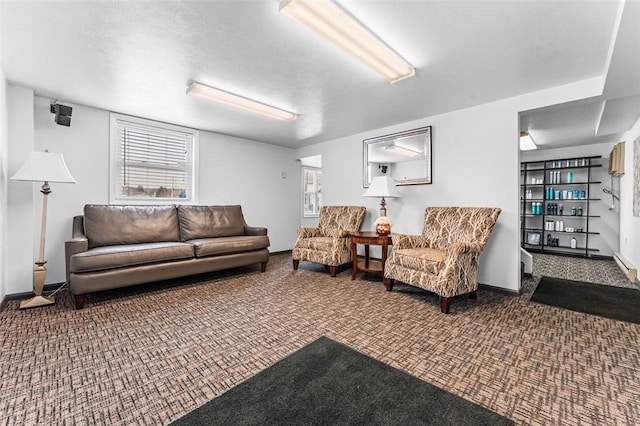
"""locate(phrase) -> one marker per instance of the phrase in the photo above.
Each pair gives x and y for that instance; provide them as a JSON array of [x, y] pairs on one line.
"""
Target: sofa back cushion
[[113, 225], [340, 218], [210, 222], [446, 225]]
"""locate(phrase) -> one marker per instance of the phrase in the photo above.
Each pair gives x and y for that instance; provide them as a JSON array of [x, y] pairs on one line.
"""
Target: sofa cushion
[[120, 256], [228, 245], [210, 222], [113, 225], [421, 259], [315, 243]]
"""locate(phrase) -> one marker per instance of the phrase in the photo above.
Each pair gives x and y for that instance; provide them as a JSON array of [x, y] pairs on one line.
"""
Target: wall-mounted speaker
[[62, 114]]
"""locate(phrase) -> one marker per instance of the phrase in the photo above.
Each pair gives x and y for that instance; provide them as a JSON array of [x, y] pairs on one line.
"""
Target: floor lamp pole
[[40, 272]]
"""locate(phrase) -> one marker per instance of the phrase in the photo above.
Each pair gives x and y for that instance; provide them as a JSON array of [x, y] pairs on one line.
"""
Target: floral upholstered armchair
[[329, 243], [444, 259]]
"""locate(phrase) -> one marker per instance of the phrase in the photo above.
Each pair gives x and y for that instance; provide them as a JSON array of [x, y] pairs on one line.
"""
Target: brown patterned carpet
[[146, 355]]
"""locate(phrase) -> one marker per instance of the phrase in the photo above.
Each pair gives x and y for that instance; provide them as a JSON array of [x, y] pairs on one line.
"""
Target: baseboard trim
[[30, 294], [273, 253], [626, 267], [498, 289]]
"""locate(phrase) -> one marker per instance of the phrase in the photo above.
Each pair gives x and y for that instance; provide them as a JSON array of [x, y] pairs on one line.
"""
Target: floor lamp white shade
[[382, 186], [42, 167]]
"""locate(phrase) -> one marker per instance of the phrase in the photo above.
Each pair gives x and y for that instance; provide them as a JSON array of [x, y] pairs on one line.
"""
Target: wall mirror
[[403, 156]]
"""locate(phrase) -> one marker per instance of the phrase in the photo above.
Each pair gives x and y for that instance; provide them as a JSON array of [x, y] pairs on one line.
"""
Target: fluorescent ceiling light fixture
[[217, 95], [526, 142], [336, 25]]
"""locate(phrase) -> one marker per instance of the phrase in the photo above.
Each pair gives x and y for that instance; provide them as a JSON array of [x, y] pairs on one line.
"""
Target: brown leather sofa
[[116, 246]]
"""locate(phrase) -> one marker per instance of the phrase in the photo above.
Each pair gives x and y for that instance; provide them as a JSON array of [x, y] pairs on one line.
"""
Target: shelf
[[581, 180], [558, 232], [557, 200], [546, 247], [572, 167], [375, 265], [569, 233], [570, 216], [566, 183]]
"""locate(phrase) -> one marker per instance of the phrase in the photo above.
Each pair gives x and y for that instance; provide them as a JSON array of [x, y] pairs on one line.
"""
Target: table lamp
[[42, 167], [382, 186]]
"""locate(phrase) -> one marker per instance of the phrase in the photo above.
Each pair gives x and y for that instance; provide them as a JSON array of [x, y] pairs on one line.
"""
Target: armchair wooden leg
[[473, 295], [444, 304], [263, 267], [333, 270], [296, 262], [80, 299], [388, 283]]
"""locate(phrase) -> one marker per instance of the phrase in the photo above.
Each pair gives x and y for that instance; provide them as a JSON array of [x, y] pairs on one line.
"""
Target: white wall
[[629, 224], [608, 223], [4, 147], [19, 256], [249, 173], [232, 171], [475, 163]]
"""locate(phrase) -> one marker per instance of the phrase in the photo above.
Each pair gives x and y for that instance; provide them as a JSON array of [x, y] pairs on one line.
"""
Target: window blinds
[[154, 162]]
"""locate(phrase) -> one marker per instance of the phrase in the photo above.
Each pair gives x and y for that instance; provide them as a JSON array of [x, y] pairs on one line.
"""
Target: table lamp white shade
[[42, 167], [382, 186]]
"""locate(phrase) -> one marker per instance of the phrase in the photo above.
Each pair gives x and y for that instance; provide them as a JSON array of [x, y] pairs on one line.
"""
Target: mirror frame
[[426, 131]]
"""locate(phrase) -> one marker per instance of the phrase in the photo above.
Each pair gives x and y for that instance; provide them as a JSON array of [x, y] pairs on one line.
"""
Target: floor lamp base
[[36, 301]]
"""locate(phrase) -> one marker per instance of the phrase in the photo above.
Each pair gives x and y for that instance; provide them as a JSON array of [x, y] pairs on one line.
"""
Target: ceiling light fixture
[[526, 142], [217, 95], [336, 25]]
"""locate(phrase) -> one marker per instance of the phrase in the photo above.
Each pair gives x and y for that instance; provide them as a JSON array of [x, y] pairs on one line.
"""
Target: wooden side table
[[369, 265]]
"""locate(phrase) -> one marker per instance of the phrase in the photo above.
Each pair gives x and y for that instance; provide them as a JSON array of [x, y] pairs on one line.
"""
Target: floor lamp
[[42, 167]]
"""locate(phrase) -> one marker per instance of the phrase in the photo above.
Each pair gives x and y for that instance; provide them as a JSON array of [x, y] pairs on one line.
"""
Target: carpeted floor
[[147, 355]]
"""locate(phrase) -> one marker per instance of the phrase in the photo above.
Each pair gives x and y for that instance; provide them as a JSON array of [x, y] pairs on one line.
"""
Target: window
[[311, 186], [152, 162]]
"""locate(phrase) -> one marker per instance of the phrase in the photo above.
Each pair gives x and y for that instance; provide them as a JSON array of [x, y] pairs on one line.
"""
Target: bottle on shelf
[[574, 242]]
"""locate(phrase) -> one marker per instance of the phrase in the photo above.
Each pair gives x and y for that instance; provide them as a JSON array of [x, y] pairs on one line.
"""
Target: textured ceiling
[[138, 57], [607, 117]]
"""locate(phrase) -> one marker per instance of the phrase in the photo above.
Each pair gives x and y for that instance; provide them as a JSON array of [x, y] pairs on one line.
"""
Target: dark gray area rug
[[617, 303], [328, 383]]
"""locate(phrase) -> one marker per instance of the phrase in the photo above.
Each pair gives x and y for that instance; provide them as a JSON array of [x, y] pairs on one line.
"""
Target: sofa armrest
[[454, 249], [306, 232], [404, 241], [77, 244], [340, 233], [255, 230], [77, 229]]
